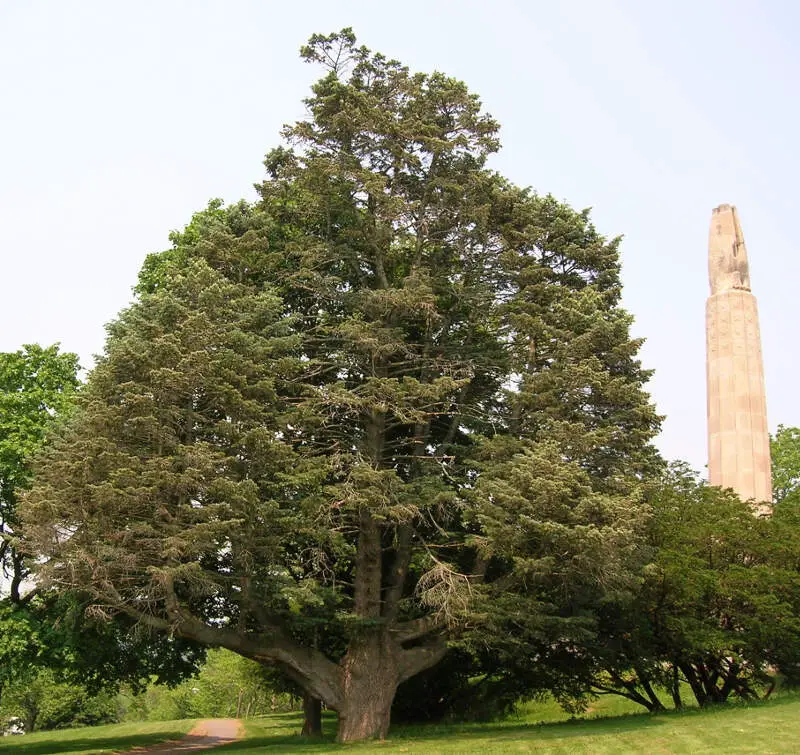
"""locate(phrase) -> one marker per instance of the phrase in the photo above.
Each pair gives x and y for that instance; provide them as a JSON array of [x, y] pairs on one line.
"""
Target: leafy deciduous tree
[[785, 452], [718, 606], [36, 387]]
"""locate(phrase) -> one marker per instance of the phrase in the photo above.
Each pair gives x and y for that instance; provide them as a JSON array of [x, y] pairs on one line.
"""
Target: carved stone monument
[[738, 438]]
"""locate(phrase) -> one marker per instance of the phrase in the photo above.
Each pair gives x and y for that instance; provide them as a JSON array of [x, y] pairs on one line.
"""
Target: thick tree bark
[[370, 679], [312, 716], [367, 598], [370, 666]]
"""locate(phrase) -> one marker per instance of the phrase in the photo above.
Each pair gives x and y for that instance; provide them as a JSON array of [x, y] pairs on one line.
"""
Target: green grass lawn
[[770, 727], [611, 727], [95, 740]]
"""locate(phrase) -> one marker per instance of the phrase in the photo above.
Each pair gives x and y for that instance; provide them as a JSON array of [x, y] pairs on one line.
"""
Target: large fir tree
[[336, 420]]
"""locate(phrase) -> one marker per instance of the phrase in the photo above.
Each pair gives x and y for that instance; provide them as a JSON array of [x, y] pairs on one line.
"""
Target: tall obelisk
[[738, 438]]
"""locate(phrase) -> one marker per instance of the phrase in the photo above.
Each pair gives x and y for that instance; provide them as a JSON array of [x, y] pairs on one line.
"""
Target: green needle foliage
[[393, 402]]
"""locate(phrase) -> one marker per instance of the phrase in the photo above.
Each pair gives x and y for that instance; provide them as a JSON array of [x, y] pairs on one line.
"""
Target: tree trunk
[[656, 704], [17, 577], [709, 681], [729, 684], [312, 716], [644, 682], [29, 718], [370, 680], [675, 688], [694, 683], [631, 691]]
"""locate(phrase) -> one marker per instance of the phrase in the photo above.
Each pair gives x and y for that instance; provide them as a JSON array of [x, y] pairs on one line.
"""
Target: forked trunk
[[370, 681], [312, 716]]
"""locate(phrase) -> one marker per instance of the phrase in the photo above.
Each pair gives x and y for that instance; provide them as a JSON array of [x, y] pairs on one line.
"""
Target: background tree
[[225, 686], [718, 607], [724, 594], [19, 645], [785, 452], [44, 700], [56, 656], [36, 387], [342, 424]]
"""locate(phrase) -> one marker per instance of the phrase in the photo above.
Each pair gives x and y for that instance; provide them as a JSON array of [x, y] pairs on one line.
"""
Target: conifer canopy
[[395, 397]]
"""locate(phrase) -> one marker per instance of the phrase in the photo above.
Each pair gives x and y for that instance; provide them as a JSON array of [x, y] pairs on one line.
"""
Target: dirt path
[[206, 734]]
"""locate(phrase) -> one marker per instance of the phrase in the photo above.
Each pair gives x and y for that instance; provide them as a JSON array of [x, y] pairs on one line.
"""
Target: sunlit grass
[[612, 725], [95, 740]]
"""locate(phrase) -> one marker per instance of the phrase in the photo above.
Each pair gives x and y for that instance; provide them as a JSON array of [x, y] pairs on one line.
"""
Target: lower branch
[[417, 659], [417, 628], [307, 667], [629, 694]]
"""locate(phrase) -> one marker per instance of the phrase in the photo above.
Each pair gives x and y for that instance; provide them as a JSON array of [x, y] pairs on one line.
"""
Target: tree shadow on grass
[[78, 744], [280, 743], [574, 728]]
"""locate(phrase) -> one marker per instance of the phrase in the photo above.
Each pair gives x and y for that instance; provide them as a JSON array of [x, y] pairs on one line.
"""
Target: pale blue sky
[[119, 119]]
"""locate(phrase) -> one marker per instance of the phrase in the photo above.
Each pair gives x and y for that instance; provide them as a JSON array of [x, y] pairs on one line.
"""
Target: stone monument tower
[[738, 439]]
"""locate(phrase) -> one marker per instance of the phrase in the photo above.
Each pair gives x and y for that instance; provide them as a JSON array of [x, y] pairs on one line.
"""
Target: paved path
[[206, 734]]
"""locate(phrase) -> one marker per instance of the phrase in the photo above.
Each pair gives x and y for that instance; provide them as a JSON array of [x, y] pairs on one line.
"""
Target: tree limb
[[419, 658], [417, 628], [308, 667]]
